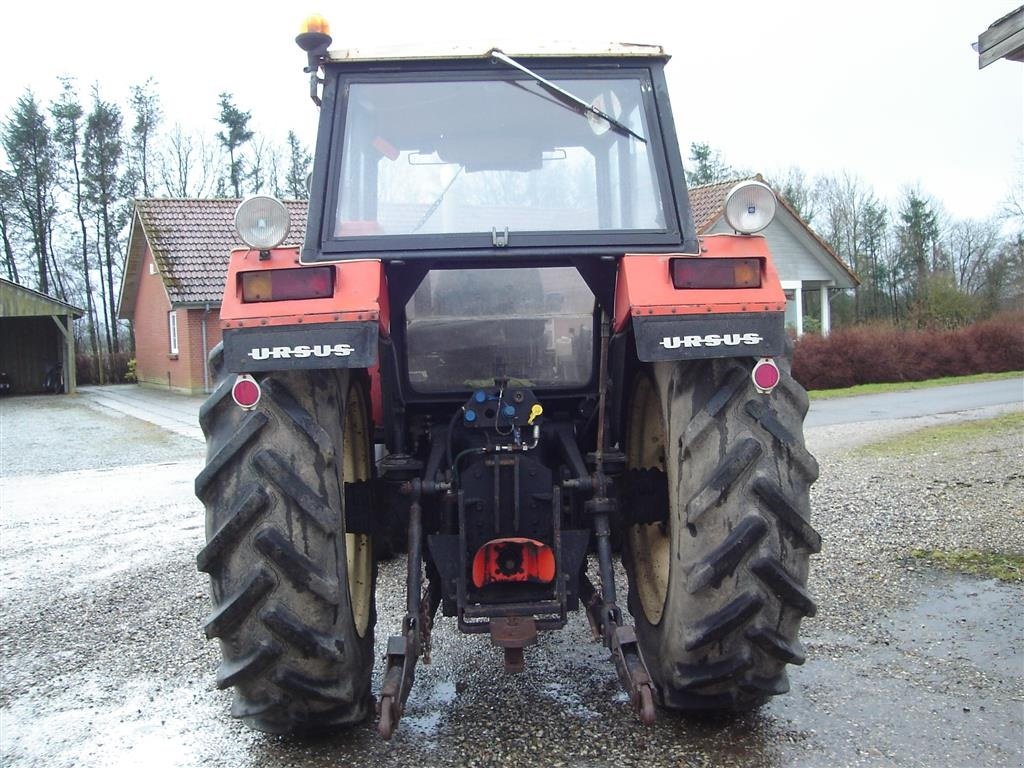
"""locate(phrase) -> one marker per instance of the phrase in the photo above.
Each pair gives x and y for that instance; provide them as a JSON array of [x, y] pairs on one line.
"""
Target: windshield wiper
[[436, 204], [568, 98]]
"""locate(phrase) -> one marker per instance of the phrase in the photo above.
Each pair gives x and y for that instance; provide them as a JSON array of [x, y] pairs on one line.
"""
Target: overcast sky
[[888, 90]]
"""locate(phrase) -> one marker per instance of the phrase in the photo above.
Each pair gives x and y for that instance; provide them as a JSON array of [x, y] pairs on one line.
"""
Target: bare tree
[[842, 202], [262, 157], [68, 118], [186, 164], [1012, 209], [793, 184], [972, 246]]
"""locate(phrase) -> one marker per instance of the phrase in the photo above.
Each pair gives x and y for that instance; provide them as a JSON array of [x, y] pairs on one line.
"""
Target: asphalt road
[[103, 663], [914, 403]]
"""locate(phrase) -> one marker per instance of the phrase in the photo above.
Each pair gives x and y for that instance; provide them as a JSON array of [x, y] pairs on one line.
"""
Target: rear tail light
[[710, 272], [766, 375], [246, 392], [288, 284], [503, 560]]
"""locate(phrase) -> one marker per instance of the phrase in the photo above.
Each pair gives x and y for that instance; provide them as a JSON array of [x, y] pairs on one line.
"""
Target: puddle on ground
[[429, 707]]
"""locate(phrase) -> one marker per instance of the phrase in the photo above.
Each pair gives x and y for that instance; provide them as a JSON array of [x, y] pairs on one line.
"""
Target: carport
[[35, 332]]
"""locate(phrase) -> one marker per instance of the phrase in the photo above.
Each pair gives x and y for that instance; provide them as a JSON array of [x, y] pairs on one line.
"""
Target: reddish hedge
[[870, 354]]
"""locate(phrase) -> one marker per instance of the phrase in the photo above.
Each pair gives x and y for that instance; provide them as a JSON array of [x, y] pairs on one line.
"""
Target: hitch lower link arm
[[620, 638], [403, 650]]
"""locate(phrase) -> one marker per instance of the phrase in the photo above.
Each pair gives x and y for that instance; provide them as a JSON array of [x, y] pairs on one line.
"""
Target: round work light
[[262, 222], [750, 207]]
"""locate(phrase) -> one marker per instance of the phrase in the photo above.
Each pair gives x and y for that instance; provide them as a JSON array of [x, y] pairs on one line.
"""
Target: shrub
[[116, 368], [870, 354]]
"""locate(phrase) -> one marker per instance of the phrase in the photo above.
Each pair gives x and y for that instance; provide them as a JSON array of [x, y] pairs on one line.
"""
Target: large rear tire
[[293, 595], [719, 590]]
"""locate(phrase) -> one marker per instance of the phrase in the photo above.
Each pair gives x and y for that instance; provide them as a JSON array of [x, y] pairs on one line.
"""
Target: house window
[[172, 326]]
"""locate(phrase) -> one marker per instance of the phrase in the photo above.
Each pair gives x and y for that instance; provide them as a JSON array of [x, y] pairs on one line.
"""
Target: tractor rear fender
[[270, 329], [671, 323]]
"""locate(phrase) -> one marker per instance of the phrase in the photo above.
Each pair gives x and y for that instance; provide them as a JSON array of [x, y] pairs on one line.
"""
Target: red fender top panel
[[360, 294], [644, 285]]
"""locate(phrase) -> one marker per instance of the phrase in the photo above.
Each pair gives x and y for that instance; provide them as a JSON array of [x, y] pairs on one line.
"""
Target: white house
[[808, 268]]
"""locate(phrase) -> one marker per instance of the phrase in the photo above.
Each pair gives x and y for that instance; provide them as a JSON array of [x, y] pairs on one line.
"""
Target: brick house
[[173, 282], [806, 264]]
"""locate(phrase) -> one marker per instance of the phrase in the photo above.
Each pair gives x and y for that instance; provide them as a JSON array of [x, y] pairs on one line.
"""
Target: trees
[[8, 192], [186, 165], [104, 147], [917, 231], [68, 171], [299, 162], [145, 104], [25, 137], [875, 296], [67, 115], [793, 185], [235, 135], [707, 166], [852, 222]]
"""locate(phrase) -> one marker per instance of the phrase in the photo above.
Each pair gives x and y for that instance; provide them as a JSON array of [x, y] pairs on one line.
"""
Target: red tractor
[[504, 345]]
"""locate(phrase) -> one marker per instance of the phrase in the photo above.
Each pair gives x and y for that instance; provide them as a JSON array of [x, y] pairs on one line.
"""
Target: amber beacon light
[[314, 34]]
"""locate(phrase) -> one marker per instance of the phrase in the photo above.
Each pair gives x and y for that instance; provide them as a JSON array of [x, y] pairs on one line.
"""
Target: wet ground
[[103, 661]]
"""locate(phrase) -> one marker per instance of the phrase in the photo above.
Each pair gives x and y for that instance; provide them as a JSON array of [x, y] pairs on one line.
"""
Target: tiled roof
[[190, 240], [708, 202]]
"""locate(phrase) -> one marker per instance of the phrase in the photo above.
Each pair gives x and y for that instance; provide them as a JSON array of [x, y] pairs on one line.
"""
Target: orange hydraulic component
[[359, 293], [513, 559], [644, 287]]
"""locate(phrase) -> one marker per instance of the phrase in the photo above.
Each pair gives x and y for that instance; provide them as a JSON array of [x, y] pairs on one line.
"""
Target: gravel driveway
[[103, 661]]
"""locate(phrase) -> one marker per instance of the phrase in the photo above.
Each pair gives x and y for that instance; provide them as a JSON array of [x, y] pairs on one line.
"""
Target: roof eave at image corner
[[1004, 39]]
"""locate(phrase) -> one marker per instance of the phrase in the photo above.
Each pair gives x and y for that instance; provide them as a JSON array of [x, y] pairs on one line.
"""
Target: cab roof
[[431, 51]]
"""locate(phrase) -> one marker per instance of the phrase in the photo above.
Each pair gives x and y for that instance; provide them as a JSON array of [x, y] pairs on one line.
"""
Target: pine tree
[[8, 205], [146, 105], [707, 166], [104, 147], [918, 232], [27, 143], [299, 161], [235, 135]]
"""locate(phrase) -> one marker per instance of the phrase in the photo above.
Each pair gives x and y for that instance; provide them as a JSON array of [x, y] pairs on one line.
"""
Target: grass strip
[[931, 439], [995, 565]]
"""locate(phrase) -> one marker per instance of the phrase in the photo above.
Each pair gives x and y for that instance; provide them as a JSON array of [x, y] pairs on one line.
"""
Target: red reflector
[[765, 375], [709, 272], [246, 392], [288, 284], [513, 560]]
